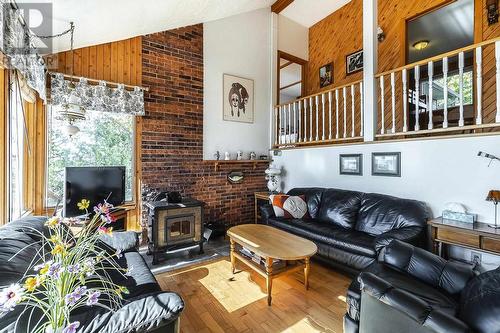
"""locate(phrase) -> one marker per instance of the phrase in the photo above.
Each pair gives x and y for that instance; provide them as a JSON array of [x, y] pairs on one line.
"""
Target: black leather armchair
[[352, 228], [412, 290], [145, 309]]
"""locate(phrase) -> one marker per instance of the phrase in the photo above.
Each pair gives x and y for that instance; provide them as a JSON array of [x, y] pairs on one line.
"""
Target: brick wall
[[172, 131]]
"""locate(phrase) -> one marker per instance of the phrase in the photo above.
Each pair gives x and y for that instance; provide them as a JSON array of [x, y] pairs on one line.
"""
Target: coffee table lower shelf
[[269, 272]]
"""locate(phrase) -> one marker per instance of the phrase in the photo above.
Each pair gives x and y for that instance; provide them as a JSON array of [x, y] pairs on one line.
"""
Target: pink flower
[[10, 297], [71, 328]]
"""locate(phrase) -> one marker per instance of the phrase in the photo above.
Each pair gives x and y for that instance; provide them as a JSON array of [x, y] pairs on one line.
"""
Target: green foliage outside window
[[105, 139]]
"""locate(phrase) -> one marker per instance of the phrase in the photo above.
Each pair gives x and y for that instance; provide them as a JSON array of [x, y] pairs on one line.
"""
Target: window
[[105, 139], [16, 151]]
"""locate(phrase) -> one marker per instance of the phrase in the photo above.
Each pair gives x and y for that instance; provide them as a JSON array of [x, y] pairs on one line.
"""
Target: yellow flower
[[44, 269], [59, 249], [54, 238], [32, 283], [52, 222], [83, 205]]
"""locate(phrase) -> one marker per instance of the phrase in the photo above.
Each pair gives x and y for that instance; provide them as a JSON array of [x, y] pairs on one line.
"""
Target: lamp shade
[[493, 195]]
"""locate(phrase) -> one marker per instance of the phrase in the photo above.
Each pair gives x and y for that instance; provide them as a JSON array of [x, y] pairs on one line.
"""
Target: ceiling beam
[[286, 64], [280, 5], [291, 85]]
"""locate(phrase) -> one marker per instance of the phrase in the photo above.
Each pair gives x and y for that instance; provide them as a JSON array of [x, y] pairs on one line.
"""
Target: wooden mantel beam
[[280, 5]]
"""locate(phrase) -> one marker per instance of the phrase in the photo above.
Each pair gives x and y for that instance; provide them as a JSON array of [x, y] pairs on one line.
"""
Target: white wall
[[293, 38], [434, 171], [239, 45]]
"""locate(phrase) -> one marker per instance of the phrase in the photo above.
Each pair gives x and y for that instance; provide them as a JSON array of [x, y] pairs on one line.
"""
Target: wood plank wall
[[119, 62], [341, 34], [116, 61]]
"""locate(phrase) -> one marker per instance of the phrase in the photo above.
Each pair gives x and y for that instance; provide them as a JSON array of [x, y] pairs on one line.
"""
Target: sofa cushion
[[340, 207], [289, 206], [328, 233], [380, 213], [437, 299], [313, 198]]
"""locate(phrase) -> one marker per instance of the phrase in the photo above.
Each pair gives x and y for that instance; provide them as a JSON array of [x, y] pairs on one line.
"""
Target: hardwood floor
[[217, 301]]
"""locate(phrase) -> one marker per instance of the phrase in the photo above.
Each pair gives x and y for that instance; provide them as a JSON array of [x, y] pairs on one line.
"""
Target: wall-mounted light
[[492, 7], [380, 34], [421, 44]]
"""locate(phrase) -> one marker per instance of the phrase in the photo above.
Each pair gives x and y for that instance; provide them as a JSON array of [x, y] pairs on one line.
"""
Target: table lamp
[[494, 196]]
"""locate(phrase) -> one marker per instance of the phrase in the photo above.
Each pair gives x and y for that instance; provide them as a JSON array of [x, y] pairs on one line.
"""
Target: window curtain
[[98, 97], [16, 42]]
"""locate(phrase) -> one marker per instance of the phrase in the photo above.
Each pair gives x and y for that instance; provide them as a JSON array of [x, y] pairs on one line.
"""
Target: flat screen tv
[[95, 184]]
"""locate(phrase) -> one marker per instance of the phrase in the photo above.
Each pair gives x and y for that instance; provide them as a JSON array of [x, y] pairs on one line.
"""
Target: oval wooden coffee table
[[271, 244]]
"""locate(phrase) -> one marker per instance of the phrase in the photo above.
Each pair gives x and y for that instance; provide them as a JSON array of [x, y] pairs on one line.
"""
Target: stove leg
[[155, 259], [201, 248]]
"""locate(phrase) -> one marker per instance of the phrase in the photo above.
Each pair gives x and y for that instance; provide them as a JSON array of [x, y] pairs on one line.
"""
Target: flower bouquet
[[69, 272]]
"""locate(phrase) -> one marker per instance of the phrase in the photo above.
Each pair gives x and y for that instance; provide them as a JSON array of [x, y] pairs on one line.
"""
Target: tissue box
[[461, 217]]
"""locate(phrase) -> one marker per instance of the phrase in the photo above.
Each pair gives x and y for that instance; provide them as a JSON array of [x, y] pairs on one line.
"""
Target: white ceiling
[[101, 21], [310, 12]]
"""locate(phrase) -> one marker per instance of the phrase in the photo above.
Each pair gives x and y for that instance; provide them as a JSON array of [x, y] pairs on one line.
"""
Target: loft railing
[[334, 115], [455, 91]]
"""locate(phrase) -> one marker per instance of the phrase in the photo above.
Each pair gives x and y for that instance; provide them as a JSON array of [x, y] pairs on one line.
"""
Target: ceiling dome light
[[421, 44]]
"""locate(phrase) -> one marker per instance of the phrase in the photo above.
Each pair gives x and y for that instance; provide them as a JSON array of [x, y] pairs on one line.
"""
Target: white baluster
[[361, 94], [445, 90], [317, 117], [430, 70], [295, 134], [280, 137], [497, 58], [393, 101], [330, 114], [344, 95], [337, 112], [290, 123], [417, 98], [405, 99], [323, 125], [276, 125], [285, 125], [300, 121], [479, 85], [461, 87], [311, 119], [352, 110], [305, 120], [382, 105]]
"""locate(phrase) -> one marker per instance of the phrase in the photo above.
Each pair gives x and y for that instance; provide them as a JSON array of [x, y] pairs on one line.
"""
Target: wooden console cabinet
[[475, 236]]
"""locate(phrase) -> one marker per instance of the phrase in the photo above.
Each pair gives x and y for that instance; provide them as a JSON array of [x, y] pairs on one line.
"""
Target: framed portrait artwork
[[354, 62], [326, 75], [351, 164], [386, 164], [238, 99]]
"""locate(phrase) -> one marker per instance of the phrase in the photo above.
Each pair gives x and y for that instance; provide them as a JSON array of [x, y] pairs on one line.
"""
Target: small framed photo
[[354, 62], [326, 75], [351, 164], [386, 164]]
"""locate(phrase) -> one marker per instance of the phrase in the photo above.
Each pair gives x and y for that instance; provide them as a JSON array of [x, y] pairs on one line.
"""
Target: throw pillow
[[289, 206]]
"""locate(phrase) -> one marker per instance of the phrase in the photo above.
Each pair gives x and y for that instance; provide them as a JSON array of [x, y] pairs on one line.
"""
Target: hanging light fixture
[[72, 111], [421, 44]]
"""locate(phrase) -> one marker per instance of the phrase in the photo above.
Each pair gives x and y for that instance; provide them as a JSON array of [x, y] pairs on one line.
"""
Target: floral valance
[[17, 43], [98, 97]]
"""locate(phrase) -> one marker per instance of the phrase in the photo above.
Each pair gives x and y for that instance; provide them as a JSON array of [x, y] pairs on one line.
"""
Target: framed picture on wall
[[238, 99], [351, 164], [326, 75], [354, 62], [386, 164]]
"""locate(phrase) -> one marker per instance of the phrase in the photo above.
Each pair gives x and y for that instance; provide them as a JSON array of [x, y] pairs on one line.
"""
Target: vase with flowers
[[69, 272]]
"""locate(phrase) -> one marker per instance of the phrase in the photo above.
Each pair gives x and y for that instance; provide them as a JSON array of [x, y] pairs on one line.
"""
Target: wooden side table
[[260, 198], [475, 236]]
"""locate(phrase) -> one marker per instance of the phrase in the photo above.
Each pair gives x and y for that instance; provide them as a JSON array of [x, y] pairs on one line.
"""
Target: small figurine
[[217, 155], [253, 156], [239, 155], [227, 156]]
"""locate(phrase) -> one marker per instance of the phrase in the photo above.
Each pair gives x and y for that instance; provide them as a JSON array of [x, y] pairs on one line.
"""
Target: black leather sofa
[[352, 228], [412, 290], [145, 309]]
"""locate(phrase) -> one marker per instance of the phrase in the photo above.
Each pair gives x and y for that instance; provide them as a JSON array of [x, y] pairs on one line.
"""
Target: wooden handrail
[[439, 57], [321, 93]]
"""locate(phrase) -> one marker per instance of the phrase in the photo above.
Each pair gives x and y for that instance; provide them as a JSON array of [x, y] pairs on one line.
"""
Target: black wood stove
[[174, 226]]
